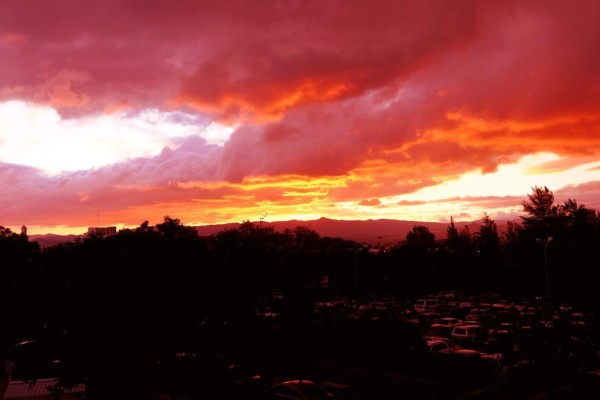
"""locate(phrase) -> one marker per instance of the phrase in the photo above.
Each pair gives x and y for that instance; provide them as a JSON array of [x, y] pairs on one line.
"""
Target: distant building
[[23, 230], [102, 230]]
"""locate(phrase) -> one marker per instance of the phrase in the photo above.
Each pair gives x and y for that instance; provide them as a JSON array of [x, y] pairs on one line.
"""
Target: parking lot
[[447, 345], [461, 346]]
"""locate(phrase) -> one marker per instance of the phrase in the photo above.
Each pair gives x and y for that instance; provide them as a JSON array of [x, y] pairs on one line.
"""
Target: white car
[[467, 333], [426, 305]]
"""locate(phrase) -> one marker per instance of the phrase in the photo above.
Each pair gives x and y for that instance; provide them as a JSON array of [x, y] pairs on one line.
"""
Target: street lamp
[[356, 270], [546, 242]]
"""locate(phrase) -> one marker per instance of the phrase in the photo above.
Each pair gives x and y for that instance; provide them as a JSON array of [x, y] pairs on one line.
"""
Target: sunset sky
[[116, 112]]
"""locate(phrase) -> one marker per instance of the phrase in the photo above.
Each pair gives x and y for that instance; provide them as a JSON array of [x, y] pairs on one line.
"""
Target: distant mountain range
[[50, 239], [373, 231]]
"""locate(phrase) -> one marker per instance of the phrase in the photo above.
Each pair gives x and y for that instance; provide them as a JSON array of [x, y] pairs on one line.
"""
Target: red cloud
[[390, 96], [231, 58], [502, 60]]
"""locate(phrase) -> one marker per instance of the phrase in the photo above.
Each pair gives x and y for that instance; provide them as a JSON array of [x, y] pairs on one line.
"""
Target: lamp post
[[356, 270], [545, 243]]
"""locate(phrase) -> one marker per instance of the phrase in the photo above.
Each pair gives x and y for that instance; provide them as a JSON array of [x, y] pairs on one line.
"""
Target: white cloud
[[509, 180], [37, 136]]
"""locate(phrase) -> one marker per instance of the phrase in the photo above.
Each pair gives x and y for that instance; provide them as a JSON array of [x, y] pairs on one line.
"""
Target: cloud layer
[[341, 108]]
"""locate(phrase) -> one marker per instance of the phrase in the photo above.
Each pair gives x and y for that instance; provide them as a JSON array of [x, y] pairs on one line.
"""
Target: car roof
[[469, 326], [297, 382], [435, 341], [467, 352], [434, 337]]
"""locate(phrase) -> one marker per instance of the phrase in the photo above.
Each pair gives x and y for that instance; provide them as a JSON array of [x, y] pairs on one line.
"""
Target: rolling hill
[[381, 231], [373, 232]]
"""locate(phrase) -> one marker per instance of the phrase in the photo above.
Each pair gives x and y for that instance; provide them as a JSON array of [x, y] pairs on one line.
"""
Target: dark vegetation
[[123, 309]]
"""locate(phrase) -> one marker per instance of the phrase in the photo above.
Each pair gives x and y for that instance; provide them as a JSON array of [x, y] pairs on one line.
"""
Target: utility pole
[[545, 243], [356, 271]]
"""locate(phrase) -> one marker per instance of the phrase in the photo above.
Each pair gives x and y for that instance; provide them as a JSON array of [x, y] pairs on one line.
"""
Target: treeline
[[122, 300], [553, 252], [116, 305], [170, 272]]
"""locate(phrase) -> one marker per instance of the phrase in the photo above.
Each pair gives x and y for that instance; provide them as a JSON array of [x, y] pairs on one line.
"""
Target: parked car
[[577, 319], [444, 326], [448, 294], [301, 389], [441, 346], [467, 333], [480, 316], [446, 322], [424, 305], [467, 353], [500, 341]]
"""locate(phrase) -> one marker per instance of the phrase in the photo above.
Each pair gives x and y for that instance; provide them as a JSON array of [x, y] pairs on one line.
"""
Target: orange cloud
[[370, 202]]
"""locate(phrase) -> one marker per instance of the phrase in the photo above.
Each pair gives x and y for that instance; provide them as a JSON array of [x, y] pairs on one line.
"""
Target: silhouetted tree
[[510, 239], [452, 233], [579, 221], [420, 235], [173, 228], [539, 207], [304, 238], [144, 227], [488, 239], [542, 215], [459, 243]]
